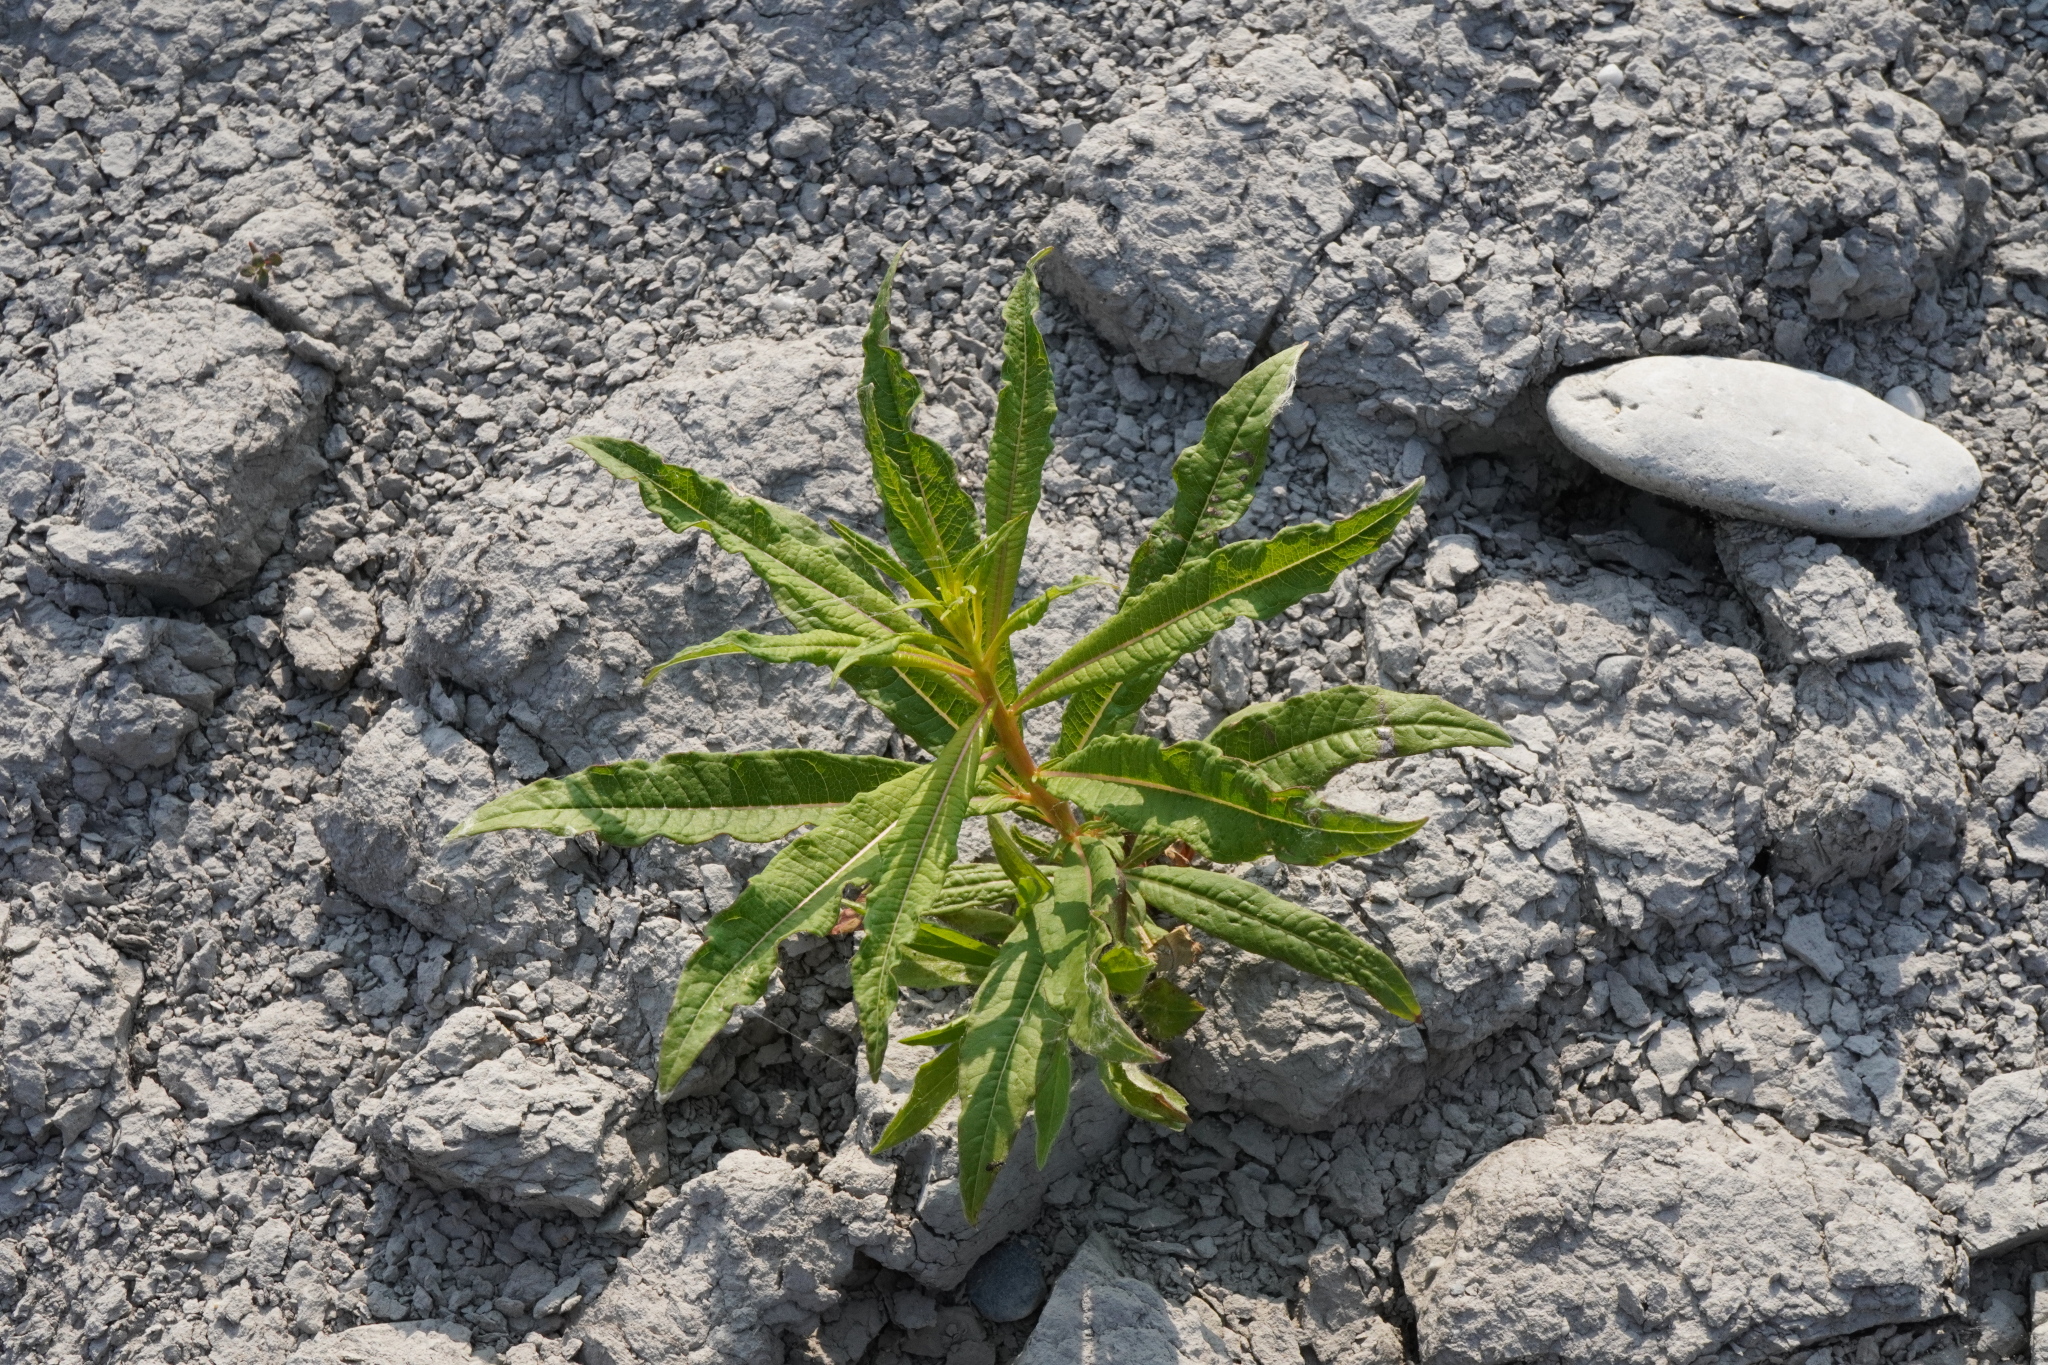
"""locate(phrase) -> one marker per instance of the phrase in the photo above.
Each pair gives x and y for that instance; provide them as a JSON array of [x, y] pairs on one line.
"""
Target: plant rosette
[[1073, 936]]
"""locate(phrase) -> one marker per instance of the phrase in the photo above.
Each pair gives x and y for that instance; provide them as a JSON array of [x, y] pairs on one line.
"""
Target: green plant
[[261, 263], [1058, 937]]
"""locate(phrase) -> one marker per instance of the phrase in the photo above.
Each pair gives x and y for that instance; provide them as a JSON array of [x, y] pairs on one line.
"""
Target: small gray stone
[[1341, 1311], [149, 1137], [1006, 1283], [1190, 280], [2001, 1334], [1869, 774], [328, 627], [1806, 938], [158, 681], [70, 1003], [1754, 439], [409, 781], [331, 286], [332, 1155], [124, 725], [1100, 1311], [2039, 1296], [1766, 1055], [2028, 839], [473, 1112], [1671, 1056], [1255, 1052], [285, 1047], [741, 1256], [804, 139], [531, 98], [1907, 399], [224, 153], [1818, 605]]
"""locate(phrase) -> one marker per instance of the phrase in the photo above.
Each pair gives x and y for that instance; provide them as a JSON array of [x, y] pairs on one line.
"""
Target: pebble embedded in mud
[[1750, 438]]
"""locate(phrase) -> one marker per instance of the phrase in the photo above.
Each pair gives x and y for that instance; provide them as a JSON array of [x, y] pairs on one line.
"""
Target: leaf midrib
[[1150, 784], [1032, 696], [721, 809], [969, 756], [831, 884], [1277, 758], [1009, 1049], [1207, 509], [864, 608]]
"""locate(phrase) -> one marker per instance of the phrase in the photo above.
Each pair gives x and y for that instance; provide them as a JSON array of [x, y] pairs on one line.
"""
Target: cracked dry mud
[[1731, 967]]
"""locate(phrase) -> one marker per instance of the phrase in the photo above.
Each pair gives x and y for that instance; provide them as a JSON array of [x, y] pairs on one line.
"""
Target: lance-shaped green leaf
[[1214, 481], [885, 565], [910, 873], [1254, 919], [1001, 1063], [986, 556], [1072, 927], [931, 530], [937, 1082], [930, 519], [1215, 478], [1305, 741], [991, 801], [926, 706], [1110, 709], [798, 892], [689, 798], [941, 1036], [910, 651], [1055, 1093], [1219, 804], [1033, 611], [817, 583], [1144, 1094], [992, 926], [1021, 441], [918, 972], [1256, 578]]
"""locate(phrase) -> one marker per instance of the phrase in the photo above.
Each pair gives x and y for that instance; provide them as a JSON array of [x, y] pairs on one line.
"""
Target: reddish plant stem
[[1010, 737]]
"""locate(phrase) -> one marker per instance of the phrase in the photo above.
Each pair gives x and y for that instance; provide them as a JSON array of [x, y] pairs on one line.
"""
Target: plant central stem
[[1010, 736]]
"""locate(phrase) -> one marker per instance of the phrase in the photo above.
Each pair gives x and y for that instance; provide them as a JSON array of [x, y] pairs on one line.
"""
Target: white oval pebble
[[1903, 397], [1753, 439]]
